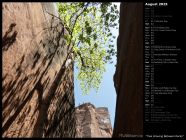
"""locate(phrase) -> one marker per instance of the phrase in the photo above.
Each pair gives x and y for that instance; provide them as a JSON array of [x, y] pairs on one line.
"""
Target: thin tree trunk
[[41, 120], [44, 102]]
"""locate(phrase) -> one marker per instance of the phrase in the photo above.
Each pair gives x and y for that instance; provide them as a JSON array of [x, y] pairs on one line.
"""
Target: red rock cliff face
[[92, 122], [33, 52], [128, 78]]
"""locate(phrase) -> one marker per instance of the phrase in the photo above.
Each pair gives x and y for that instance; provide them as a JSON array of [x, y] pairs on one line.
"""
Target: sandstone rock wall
[[92, 122], [128, 78], [33, 52]]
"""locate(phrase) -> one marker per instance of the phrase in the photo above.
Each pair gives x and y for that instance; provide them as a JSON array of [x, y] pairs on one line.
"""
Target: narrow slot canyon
[[38, 96]]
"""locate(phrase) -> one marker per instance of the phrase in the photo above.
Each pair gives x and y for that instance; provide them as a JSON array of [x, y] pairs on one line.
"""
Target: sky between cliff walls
[[106, 96]]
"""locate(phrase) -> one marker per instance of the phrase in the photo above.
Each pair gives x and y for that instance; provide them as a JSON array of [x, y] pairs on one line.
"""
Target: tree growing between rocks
[[89, 25], [89, 41]]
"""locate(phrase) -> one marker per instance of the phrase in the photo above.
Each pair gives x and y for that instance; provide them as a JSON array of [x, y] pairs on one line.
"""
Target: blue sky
[[106, 96]]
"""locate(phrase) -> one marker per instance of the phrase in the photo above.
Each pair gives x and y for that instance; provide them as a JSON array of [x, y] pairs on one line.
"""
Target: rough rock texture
[[128, 78], [33, 52], [92, 122]]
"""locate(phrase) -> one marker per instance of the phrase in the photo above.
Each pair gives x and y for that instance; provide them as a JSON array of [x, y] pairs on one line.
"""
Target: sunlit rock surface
[[33, 51], [92, 122]]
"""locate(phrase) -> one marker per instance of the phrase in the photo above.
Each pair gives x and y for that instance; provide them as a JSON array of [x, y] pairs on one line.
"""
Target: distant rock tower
[[92, 122]]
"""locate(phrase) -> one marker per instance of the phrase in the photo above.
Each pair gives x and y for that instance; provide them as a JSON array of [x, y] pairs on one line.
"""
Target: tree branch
[[86, 6], [64, 25], [82, 61], [73, 15]]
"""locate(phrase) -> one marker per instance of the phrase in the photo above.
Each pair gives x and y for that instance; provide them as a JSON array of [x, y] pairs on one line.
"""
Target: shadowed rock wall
[[128, 78], [33, 52]]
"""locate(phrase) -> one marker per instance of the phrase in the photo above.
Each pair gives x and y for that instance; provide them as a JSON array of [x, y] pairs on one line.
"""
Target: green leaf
[[88, 41], [112, 9], [89, 30], [107, 16], [95, 36], [95, 45], [81, 37]]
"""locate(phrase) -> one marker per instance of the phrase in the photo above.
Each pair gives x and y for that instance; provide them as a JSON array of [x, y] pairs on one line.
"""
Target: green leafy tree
[[89, 34]]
